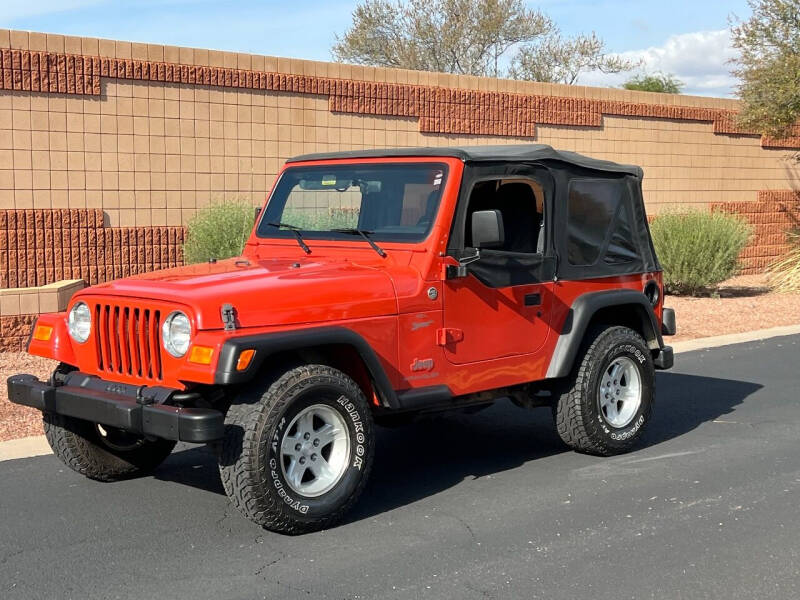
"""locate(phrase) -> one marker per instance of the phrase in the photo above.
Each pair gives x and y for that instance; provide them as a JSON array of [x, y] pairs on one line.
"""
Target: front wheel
[[609, 396], [297, 452], [102, 453]]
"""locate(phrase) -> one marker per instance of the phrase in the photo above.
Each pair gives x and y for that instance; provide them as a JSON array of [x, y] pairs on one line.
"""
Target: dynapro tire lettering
[[630, 432], [273, 471], [282, 493], [358, 425]]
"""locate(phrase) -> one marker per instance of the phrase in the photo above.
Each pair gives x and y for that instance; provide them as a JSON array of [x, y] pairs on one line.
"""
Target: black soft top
[[499, 153]]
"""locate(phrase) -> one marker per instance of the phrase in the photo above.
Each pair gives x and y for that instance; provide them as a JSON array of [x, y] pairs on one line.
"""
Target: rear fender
[[631, 306]]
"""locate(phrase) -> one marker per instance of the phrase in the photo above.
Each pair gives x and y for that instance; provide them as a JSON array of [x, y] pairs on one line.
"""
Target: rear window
[[598, 222]]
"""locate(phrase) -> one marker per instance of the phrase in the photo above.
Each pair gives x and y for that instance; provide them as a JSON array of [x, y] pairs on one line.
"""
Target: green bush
[[218, 231], [698, 250], [317, 220], [784, 275]]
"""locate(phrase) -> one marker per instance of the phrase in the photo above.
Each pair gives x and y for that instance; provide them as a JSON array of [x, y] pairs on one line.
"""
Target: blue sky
[[687, 38]]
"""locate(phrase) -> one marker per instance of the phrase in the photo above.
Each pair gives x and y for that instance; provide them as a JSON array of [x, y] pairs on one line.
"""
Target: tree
[[558, 60], [666, 83], [469, 37], [768, 67]]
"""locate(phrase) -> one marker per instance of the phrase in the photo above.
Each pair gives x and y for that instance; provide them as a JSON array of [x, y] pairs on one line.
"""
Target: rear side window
[[598, 223]]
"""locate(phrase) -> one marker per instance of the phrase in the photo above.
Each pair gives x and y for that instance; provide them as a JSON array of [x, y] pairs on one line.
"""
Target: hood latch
[[228, 313]]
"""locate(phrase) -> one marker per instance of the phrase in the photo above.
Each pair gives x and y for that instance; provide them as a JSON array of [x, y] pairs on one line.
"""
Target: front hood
[[266, 292]]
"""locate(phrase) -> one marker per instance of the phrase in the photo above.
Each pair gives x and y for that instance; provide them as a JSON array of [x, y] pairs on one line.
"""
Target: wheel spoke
[[611, 410], [615, 369], [288, 445], [320, 468], [295, 473], [305, 424], [327, 434]]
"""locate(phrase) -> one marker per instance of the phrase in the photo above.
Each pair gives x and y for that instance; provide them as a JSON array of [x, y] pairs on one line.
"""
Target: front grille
[[128, 340]]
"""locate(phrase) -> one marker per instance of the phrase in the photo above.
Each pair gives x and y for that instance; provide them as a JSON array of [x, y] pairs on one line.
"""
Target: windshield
[[390, 202]]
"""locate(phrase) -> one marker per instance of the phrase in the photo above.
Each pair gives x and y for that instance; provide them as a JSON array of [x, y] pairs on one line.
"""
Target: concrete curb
[[38, 446], [733, 338], [24, 448]]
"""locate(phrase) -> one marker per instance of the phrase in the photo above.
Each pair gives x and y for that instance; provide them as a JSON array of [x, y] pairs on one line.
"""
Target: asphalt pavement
[[488, 505]]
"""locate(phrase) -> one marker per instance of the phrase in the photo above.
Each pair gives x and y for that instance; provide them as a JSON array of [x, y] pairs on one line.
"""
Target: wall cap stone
[[52, 297]]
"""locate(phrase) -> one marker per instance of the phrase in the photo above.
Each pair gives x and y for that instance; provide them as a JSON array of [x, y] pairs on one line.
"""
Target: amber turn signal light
[[201, 355], [43, 333], [245, 358]]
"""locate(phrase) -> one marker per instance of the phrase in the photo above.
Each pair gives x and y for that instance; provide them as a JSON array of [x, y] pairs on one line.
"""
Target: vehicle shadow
[[684, 402], [427, 457]]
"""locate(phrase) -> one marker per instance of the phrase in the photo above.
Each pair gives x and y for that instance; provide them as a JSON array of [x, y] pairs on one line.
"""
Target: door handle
[[533, 299]]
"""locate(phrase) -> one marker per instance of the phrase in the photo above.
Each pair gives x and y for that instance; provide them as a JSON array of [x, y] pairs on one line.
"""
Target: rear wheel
[[102, 453], [297, 451], [608, 398]]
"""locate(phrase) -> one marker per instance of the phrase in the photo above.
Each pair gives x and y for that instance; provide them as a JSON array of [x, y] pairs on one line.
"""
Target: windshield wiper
[[363, 233], [296, 231]]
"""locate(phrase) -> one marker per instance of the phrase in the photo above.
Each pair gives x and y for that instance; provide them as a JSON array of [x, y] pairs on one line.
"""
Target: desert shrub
[[698, 250], [784, 275], [218, 231], [316, 219]]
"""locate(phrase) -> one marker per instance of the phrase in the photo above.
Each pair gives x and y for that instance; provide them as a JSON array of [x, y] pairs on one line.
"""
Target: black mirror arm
[[460, 270]]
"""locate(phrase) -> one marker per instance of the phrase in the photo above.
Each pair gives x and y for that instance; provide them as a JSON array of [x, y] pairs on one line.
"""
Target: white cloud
[[699, 60]]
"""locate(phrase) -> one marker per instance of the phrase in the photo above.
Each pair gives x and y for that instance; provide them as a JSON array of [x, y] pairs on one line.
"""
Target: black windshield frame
[[290, 177]]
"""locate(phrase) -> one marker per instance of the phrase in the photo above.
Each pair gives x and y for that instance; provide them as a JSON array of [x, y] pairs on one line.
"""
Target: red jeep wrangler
[[376, 285]]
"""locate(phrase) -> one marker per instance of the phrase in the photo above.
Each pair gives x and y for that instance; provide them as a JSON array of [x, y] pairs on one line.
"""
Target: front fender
[[59, 346], [268, 344]]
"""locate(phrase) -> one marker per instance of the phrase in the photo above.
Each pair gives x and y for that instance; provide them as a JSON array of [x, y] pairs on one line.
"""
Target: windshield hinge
[[228, 313]]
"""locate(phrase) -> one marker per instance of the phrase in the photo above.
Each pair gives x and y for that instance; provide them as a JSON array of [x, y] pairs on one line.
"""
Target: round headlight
[[79, 322], [176, 332]]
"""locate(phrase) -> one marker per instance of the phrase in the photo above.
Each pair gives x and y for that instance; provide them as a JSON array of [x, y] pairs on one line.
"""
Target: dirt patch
[[741, 304], [20, 421]]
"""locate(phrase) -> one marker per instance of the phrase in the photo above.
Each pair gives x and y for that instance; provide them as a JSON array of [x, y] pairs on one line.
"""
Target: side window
[[520, 203], [594, 207], [621, 247]]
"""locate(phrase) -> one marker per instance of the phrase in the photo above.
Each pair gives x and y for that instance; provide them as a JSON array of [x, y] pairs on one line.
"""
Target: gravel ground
[[20, 421], [743, 304]]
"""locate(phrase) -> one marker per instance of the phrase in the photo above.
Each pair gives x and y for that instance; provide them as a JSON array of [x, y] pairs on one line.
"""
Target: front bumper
[[117, 405]]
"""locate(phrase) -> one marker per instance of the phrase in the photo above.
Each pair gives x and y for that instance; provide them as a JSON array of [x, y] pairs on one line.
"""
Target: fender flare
[[580, 315], [268, 344]]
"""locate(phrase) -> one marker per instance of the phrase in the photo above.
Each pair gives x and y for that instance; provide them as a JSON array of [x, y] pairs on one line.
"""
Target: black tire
[[250, 459], [580, 421], [83, 449]]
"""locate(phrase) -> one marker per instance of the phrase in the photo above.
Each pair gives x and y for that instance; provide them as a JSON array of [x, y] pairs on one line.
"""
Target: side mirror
[[487, 229]]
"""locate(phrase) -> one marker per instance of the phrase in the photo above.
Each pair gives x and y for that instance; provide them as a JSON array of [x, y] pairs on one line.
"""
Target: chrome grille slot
[[127, 340]]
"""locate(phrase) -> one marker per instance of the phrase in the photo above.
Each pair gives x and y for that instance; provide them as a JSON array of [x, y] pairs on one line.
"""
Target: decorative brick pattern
[[14, 332], [38, 247], [775, 212], [23, 70], [439, 109]]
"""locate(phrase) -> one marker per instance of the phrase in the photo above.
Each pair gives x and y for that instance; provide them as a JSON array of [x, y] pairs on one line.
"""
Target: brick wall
[[775, 212], [42, 246], [137, 137], [14, 332]]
